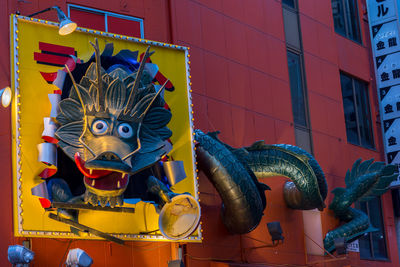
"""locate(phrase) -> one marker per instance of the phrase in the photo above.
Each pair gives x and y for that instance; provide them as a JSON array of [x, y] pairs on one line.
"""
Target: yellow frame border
[[16, 153]]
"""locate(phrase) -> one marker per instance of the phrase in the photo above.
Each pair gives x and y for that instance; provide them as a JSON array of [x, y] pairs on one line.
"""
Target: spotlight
[[275, 230], [78, 258], [5, 95], [19, 255], [66, 25], [340, 245]]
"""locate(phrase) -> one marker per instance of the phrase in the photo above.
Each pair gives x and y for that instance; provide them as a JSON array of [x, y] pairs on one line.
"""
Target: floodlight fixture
[[19, 255], [67, 26], [5, 96], [78, 257], [275, 230]]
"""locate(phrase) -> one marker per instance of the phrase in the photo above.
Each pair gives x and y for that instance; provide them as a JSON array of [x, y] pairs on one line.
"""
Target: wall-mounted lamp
[[66, 25], [78, 257], [275, 230], [5, 96]]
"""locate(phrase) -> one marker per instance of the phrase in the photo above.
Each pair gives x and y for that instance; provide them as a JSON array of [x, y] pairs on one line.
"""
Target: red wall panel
[[123, 26], [241, 87], [88, 19]]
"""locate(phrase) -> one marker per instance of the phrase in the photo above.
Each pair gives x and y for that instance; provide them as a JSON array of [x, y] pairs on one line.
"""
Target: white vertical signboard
[[384, 29]]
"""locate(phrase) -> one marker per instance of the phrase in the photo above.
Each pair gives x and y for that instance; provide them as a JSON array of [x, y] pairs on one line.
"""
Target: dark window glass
[[296, 88], [357, 113], [290, 3], [373, 245], [338, 16], [364, 116], [345, 19], [292, 33]]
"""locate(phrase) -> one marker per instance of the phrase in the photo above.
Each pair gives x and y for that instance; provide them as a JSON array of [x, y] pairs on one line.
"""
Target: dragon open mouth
[[102, 186]]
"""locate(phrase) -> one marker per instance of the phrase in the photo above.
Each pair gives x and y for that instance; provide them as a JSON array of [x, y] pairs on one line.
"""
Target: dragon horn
[[100, 92], [151, 102], [136, 83], [76, 89]]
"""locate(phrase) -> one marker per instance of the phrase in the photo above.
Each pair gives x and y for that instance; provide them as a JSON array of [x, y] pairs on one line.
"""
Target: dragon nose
[[109, 156]]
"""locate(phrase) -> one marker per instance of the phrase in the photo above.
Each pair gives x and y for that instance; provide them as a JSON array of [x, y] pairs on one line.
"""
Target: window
[[296, 89], [345, 19], [296, 75], [106, 21], [373, 245], [356, 111]]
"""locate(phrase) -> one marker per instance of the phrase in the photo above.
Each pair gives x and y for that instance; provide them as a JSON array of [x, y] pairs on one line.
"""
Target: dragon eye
[[125, 130], [99, 127]]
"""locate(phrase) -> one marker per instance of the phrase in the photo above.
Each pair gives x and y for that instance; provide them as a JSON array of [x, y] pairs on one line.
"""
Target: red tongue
[[80, 163]]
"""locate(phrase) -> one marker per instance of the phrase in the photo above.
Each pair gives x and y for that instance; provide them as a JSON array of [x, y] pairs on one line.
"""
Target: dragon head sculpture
[[113, 124]]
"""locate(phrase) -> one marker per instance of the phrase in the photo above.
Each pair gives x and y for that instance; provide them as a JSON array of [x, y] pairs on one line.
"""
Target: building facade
[[294, 72]]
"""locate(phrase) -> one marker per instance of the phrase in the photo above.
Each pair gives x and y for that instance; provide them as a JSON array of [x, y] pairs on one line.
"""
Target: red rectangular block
[[60, 49], [50, 59]]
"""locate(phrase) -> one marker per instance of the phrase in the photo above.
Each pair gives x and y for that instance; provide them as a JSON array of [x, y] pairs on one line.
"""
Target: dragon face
[[112, 127]]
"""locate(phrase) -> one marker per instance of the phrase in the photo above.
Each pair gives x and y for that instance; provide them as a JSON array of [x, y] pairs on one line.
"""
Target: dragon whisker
[[138, 142]]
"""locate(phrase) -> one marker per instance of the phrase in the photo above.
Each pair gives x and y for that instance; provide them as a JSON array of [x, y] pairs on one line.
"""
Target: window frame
[[370, 238], [354, 96], [298, 51], [106, 14], [347, 26]]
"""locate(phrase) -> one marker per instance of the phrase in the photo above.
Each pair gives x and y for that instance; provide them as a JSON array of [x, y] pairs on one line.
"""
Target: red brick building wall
[[240, 87]]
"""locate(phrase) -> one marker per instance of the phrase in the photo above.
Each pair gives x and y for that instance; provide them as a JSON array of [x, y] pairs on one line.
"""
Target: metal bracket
[[86, 229]]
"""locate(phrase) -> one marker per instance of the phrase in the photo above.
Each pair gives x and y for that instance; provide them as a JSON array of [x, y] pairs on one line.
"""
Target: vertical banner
[[384, 30]]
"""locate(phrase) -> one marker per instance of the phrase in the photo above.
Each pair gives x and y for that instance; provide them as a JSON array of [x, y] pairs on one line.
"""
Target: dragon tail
[[353, 229]]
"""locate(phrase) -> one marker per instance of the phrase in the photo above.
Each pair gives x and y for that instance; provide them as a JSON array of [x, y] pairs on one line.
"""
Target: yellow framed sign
[[42, 63]]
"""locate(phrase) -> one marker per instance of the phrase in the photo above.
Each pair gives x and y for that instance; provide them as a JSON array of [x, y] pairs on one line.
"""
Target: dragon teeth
[[86, 196], [113, 201], [91, 171], [118, 184], [120, 200], [93, 199], [93, 182], [103, 201]]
